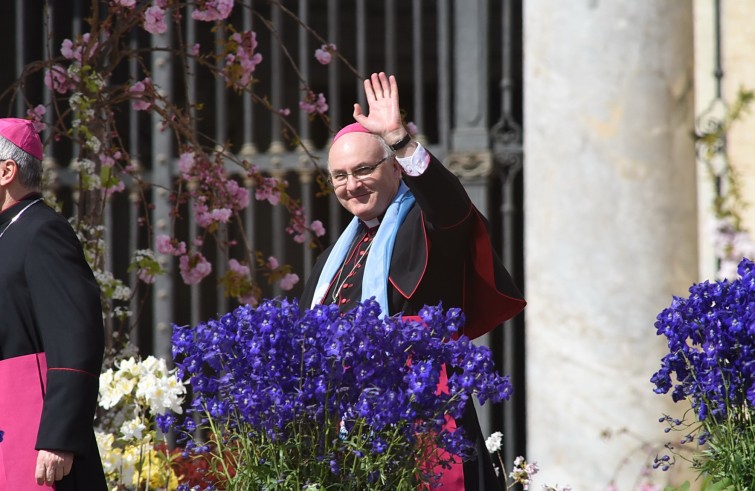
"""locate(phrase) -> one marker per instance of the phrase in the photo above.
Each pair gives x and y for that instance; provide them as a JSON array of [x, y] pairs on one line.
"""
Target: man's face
[[368, 197]]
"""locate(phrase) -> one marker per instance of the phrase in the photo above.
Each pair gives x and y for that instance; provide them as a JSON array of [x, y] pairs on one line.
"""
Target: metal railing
[[454, 60]]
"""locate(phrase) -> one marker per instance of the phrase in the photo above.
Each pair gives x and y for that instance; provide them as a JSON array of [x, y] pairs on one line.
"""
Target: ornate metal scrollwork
[[470, 165], [507, 143]]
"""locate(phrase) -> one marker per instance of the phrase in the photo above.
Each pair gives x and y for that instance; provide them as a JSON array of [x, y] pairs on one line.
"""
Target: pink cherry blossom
[[248, 299], [194, 50], [129, 4], [297, 226], [318, 228], [288, 281], [74, 50], [213, 10], [194, 268], [284, 111], [238, 196], [67, 50], [186, 164], [206, 217], [138, 92], [324, 53], [144, 275], [106, 160], [154, 20], [221, 215], [238, 268], [412, 128], [164, 244], [314, 103], [240, 64], [57, 79], [37, 115], [272, 262], [117, 188], [268, 190]]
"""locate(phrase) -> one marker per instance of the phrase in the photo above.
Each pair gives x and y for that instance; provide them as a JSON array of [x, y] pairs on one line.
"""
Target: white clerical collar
[[372, 223]]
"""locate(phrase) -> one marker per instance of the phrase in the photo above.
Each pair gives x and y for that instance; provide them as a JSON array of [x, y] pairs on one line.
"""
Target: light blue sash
[[377, 267]]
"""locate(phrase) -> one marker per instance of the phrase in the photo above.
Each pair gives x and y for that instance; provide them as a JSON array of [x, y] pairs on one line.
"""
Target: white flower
[[133, 429], [494, 442], [94, 144], [111, 458], [114, 386], [158, 387], [161, 393], [523, 472], [154, 365], [129, 366], [106, 378], [121, 292]]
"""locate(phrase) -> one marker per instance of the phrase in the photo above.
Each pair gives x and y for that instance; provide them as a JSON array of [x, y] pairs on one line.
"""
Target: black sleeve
[[68, 315], [441, 196]]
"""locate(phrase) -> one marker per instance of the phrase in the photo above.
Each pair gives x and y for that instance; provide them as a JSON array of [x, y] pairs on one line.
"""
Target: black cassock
[[442, 253], [50, 314]]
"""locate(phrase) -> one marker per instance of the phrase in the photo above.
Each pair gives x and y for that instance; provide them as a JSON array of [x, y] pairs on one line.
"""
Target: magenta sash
[[450, 479], [23, 381]]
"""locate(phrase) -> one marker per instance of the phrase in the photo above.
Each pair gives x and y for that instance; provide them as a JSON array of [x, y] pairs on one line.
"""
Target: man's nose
[[352, 182]]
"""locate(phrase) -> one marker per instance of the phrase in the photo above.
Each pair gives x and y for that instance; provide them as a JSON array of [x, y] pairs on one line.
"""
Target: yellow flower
[[155, 472]]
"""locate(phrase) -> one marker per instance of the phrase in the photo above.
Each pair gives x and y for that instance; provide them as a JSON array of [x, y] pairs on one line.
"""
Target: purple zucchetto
[[22, 134], [351, 128]]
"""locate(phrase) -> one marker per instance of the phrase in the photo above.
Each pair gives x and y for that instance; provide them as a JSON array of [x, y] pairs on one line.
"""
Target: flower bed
[[711, 364], [287, 399]]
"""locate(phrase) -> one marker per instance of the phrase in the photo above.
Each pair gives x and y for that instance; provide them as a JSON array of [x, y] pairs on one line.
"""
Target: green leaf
[[723, 485]]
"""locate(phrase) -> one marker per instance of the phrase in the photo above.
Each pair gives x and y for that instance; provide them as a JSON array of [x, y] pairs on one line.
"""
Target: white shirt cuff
[[416, 163]]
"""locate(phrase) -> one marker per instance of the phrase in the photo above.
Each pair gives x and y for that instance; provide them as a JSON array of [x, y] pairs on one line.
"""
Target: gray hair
[[387, 151], [29, 167]]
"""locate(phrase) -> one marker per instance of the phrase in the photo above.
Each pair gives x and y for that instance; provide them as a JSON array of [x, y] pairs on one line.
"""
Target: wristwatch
[[401, 143]]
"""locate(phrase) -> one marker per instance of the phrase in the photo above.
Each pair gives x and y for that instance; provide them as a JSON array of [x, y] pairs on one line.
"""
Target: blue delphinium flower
[[711, 341], [278, 372]]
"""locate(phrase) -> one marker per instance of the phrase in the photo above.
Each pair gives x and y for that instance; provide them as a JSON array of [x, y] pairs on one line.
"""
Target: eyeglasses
[[338, 179]]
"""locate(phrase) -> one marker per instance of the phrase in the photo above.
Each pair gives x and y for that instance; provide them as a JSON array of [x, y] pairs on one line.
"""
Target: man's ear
[[8, 171], [397, 167]]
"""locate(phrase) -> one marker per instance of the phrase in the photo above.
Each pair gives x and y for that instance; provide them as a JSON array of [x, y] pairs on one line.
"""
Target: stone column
[[611, 228]]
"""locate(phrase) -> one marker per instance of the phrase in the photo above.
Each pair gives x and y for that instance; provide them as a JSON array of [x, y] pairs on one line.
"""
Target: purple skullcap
[[22, 134], [352, 128]]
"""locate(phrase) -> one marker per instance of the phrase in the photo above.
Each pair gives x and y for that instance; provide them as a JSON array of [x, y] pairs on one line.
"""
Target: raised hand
[[384, 116]]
